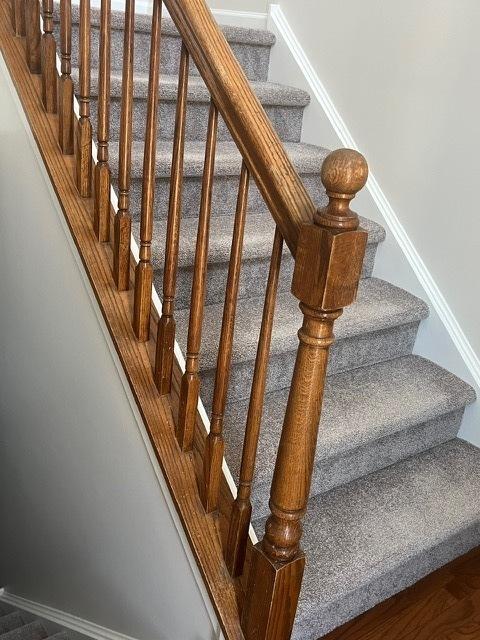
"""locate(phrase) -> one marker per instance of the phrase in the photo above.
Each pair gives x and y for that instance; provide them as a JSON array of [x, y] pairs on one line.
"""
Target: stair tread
[[359, 407], [10, 621], [32, 631], [259, 230], [307, 158], [377, 535], [269, 93], [143, 24], [380, 305]]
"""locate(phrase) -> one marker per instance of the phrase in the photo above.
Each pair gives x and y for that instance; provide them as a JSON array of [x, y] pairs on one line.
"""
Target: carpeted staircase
[[395, 492], [18, 625]]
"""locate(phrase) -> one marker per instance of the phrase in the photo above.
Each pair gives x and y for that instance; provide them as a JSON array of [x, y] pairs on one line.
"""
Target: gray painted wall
[[87, 523]]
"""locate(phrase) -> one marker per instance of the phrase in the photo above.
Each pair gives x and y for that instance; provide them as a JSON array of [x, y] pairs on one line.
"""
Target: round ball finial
[[344, 172]]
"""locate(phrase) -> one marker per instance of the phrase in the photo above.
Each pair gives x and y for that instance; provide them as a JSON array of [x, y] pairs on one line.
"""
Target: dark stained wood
[[49, 60], [18, 15], [242, 507], [84, 126], [166, 326], [214, 447], [33, 36], [144, 269], [327, 271], [443, 606], [190, 380], [102, 173], [259, 144], [65, 84], [123, 219], [136, 358]]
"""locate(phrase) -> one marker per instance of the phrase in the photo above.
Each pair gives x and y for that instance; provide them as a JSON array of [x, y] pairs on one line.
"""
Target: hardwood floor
[[443, 606]]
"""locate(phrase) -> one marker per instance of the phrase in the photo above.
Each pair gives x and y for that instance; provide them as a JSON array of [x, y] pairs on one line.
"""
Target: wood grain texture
[[102, 173], [144, 269], [326, 275], [443, 606], [84, 126], [260, 146], [49, 60], [18, 13], [166, 327], [123, 219], [66, 118], [33, 36], [214, 447], [136, 358], [191, 381], [240, 517]]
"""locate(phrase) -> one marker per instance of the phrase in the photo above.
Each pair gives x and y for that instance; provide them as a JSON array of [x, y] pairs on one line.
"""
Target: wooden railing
[[327, 245]]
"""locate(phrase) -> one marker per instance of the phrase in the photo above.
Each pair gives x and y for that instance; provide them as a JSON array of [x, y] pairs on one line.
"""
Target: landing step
[[381, 325], [372, 417], [376, 536]]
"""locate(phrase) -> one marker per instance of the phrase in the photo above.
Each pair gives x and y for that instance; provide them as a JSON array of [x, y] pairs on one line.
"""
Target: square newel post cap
[[331, 251]]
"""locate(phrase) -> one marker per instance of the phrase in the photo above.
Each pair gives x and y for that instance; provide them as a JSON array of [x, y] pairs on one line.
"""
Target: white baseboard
[[62, 618], [248, 19], [443, 340]]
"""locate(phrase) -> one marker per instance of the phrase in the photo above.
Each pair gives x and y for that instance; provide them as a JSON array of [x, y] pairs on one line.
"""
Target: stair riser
[[252, 281], [286, 120], [334, 472], [253, 58], [224, 197], [345, 354], [405, 574]]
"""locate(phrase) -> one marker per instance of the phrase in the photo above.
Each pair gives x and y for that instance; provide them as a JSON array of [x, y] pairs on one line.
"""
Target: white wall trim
[[249, 19], [425, 278], [62, 618]]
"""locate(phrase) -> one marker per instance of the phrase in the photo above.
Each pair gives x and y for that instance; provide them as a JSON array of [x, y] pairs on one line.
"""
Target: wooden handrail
[[252, 131]]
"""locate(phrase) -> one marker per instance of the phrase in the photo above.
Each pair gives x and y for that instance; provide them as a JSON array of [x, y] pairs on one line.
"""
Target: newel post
[[328, 266]]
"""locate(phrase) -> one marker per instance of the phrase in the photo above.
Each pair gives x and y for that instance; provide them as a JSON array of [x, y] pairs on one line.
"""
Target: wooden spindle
[[33, 36], [18, 17], [144, 269], [327, 272], [123, 219], [49, 60], [190, 384], [84, 126], [242, 507], [102, 173], [65, 85], [166, 324], [214, 445]]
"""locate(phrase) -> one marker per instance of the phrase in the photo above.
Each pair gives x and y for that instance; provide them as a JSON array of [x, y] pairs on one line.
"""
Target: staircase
[[394, 492], [18, 625]]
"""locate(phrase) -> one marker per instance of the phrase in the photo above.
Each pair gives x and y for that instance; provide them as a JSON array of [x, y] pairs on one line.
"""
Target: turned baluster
[[242, 507], [214, 445], [33, 35], [18, 17], [49, 60], [166, 324], [123, 219], [84, 126], [328, 265], [190, 384], [102, 173], [144, 269], [65, 84]]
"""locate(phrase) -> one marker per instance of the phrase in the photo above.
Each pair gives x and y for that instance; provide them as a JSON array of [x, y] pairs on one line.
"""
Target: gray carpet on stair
[[10, 621], [372, 538], [394, 493], [32, 631]]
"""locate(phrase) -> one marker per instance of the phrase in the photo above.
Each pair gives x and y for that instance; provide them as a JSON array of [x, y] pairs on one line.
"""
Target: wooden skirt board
[[443, 606], [137, 358]]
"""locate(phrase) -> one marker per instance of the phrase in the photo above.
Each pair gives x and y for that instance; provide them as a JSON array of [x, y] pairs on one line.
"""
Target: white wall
[[88, 526], [239, 5], [402, 76]]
